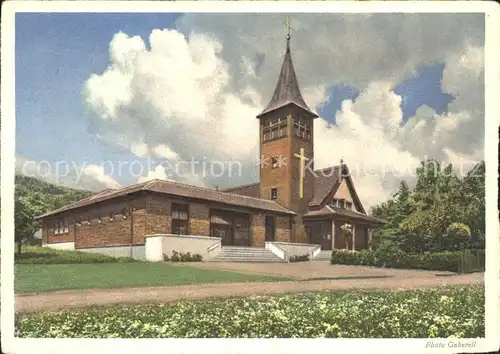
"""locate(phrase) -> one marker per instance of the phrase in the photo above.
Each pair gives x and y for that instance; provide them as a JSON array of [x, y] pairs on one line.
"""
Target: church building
[[293, 209]]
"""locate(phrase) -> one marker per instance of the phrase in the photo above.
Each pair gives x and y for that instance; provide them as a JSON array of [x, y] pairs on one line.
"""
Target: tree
[[346, 231], [33, 198], [436, 214], [27, 208]]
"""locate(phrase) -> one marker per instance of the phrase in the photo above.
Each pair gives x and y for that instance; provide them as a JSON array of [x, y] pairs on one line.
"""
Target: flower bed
[[458, 261], [424, 313], [182, 257], [302, 258]]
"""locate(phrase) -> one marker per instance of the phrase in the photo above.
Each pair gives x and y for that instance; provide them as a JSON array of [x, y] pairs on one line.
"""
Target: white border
[[492, 274]]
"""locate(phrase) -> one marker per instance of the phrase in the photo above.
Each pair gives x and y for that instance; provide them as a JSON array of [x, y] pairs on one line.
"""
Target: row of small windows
[[302, 131], [62, 226], [341, 203], [276, 128], [180, 219]]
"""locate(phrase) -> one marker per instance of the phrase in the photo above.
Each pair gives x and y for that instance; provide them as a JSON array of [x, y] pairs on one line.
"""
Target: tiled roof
[[326, 179], [184, 190], [328, 211], [249, 190], [287, 89], [181, 190]]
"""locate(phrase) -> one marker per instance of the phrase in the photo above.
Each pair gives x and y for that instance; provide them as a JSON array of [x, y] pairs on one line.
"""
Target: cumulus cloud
[[336, 48], [173, 100], [156, 173], [189, 95], [97, 173]]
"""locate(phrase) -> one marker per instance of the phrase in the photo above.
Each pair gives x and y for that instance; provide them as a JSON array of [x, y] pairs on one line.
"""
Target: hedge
[[45, 255], [464, 261]]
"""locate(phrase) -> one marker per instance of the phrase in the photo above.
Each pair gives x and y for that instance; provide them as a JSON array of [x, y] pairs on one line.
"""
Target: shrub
[[46, 255], [457, 261], [457, 236], [297, 258], [183, 257]]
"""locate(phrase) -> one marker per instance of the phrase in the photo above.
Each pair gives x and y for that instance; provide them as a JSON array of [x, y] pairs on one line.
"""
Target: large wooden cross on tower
[[302, 159]]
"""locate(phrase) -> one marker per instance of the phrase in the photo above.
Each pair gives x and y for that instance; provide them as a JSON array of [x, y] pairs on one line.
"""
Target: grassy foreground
[[425, 313], [52, 277], [39, 269]]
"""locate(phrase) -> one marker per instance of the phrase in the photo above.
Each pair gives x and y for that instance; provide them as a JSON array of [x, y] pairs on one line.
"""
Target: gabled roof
[[287, 89], [180, 190], [325, 181], [328, 181]]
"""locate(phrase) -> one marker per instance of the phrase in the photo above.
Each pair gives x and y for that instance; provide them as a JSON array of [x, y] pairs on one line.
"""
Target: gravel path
[[307, 275]]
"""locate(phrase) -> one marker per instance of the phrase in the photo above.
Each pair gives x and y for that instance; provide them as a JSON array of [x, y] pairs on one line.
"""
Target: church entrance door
[[270, 228], [233, 228], [241, 227]]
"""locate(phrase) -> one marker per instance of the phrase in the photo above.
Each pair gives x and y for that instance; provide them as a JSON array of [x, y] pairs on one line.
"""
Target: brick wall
[[287, 178], [258, 230], [145, 214], [115, 232], [50, 237], [199, 219], [283, 228], [110, 232], [158, 218], [139, 220], [275, 177], [299, 234]]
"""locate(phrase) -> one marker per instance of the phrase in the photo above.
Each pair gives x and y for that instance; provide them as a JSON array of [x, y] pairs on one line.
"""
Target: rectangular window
[[180, 219], [274, 193], [56, 228], [66, 226], [348, 205], [341, 204]]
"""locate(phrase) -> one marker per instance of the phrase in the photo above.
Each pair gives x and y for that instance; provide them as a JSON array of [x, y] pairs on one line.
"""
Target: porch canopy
[[323, 226]]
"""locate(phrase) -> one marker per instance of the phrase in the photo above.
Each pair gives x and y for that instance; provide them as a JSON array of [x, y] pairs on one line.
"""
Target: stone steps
[[246, 255]]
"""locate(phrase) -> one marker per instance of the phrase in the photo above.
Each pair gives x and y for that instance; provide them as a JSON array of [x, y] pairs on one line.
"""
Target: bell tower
[[286, 143]]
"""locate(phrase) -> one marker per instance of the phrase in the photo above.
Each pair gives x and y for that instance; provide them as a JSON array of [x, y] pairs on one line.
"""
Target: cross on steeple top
[[288, 28]]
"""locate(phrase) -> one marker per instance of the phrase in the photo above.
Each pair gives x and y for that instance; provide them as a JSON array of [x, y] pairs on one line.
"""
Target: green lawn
[[52, 277]]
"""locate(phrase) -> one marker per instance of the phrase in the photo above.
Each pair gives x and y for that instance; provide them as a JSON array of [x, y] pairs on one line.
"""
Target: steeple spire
[[287, 89]]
